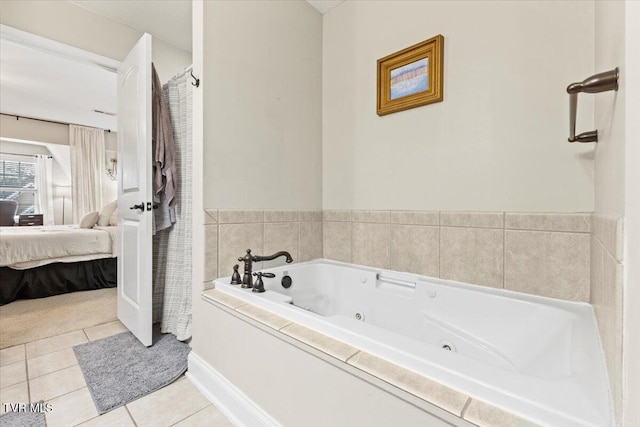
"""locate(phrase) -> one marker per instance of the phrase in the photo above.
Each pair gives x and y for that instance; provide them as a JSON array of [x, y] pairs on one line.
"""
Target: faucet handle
[[247, 257], [259, 285], [268, 275], [235, 278]]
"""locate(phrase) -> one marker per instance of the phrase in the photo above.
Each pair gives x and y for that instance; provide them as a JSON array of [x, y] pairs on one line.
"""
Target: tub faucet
[[248, 259]]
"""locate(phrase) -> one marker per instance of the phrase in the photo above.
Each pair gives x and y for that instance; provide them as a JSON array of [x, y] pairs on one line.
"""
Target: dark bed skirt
[[57, 278]]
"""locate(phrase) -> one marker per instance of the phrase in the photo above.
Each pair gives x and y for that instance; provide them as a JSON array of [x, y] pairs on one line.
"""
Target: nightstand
[[30, 219]]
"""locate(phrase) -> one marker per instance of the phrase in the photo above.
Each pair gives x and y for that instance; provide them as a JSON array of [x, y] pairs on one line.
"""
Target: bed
[[37, 262]]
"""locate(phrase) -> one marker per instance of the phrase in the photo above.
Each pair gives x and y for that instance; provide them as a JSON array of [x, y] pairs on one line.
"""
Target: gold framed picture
[[411, 77]]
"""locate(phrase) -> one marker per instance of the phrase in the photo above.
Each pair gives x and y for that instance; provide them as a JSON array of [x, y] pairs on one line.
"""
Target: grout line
[[546, 231], [504, 252], [126, 408], [236, 308], [264, 236], [218, 271], [465, 407], [352, 356], [439, 250], [389, 247], [26, 373], [299, 238], [351, 242], [69, 392], [187, 416], [286, 326], [57, 370]]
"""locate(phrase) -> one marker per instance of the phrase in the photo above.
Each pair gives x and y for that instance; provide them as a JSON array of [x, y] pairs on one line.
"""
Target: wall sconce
[[113, 172]]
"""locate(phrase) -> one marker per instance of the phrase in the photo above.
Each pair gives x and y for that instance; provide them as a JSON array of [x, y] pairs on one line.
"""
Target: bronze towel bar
[[597, 83]]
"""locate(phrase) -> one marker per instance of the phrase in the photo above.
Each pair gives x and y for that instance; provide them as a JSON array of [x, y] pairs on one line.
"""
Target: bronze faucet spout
[[258, 258], [249, 259]]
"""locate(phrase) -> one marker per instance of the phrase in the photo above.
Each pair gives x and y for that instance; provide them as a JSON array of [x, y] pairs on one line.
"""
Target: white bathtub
[[536, 357]]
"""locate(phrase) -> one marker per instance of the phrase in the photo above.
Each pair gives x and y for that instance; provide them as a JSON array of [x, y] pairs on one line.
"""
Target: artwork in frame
[[411, 77]]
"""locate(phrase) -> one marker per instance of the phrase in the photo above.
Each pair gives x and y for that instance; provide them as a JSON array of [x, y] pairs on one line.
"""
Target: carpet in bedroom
[[24, 321]]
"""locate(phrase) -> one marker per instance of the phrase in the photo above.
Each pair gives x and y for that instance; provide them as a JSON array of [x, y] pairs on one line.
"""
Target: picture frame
[[411, 77]]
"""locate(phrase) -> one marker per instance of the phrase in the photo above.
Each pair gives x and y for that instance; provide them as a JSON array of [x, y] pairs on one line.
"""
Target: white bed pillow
[[106, 212], [89, 220], [113, 221]]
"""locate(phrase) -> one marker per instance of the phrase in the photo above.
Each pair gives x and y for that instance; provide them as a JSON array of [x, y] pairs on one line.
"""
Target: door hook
[[197, 83]]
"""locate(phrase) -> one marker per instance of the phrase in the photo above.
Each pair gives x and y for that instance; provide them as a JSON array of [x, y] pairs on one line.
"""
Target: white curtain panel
[[172, 290], [87, 169], [44, 184]]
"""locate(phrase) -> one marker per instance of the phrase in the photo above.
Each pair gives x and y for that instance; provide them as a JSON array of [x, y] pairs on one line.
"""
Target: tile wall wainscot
[[606, 294], [540, 254], [229, 233]]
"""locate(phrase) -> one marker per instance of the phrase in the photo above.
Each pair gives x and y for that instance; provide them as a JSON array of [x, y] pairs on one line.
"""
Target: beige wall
[[258, 127], [33, 130], [607, 266], [75, 26], [609, 110], [20, 135], [68, 23], [262, 105], [45, 132], [631, 314], [498, 141]]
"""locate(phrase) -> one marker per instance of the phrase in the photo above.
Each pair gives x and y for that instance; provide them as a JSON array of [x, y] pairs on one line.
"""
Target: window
[[18, 182]]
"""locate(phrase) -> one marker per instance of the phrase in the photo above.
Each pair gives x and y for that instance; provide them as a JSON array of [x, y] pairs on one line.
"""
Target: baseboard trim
[[232, 402]]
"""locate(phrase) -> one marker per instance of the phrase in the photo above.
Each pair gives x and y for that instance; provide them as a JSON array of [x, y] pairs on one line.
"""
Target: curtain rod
[[48, 121], [25, 155]]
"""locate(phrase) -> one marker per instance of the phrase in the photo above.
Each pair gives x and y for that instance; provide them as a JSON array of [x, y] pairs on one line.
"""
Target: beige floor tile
[[17, 393], [13, 374], [71, 409], [56, 384], [52, 344], [105, 330], [117, 418], [42, 365], [12, 355], [168, 405], [208, 417]]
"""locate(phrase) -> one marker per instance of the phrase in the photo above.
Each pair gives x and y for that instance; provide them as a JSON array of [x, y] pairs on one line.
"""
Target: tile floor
[[48, 370]]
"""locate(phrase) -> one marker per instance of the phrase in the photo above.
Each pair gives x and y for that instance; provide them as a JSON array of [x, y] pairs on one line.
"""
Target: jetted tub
[[537, 357]]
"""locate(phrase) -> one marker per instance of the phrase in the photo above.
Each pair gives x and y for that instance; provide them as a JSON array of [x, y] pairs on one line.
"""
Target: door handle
[[138, 206]]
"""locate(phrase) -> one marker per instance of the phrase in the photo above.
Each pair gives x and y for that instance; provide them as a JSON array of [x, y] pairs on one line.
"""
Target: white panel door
[[135, 191]]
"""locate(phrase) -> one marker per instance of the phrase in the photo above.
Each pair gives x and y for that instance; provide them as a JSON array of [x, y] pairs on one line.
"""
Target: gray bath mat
[[119, 369], [23, 419]]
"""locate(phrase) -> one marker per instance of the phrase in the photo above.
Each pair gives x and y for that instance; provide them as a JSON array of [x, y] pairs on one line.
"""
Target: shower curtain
[[172, 246]]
